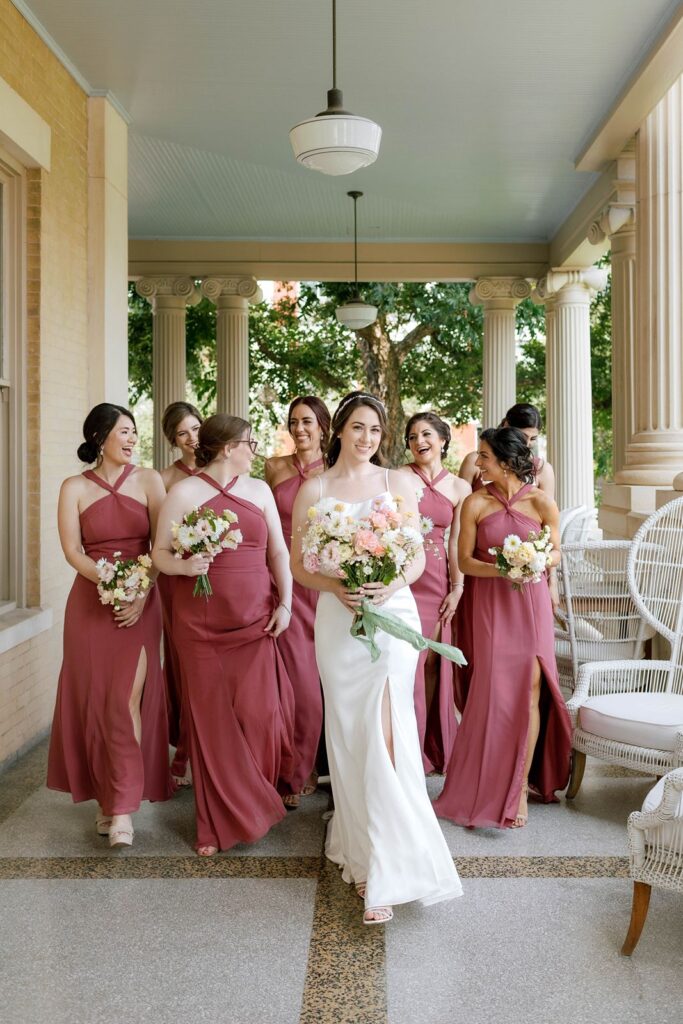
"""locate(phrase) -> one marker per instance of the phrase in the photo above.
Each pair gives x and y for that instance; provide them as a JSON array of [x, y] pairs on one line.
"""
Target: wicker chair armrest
[[640, 822], [601, 677]]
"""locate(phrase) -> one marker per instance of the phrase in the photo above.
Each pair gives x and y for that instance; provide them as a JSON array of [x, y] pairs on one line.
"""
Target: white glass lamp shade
[[356, 314], [336, 143]]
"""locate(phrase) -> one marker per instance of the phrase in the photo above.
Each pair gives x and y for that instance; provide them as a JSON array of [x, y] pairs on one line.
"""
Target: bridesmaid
[[107, 743], [515, 730], [526, 418], [238, 698], [439, 589], [308, 421], [180, 424]]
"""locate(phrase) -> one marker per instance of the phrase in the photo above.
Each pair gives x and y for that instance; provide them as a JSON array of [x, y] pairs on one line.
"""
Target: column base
[[624, 507], [664, 496]]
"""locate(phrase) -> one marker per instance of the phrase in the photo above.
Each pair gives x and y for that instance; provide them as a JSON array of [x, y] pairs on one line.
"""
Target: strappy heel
[[102, 823], [386, 915], [360, 889], [521, 819]]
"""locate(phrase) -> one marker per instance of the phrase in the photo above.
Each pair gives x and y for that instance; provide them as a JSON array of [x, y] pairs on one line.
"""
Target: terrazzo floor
[[269, 933]]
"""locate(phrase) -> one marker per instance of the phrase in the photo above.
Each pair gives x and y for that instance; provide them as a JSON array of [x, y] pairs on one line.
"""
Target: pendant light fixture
[[335, 141], [355, 313]]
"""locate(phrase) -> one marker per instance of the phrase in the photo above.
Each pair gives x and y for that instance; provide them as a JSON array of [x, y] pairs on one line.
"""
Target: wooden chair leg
[[576, 777], [641, 901]]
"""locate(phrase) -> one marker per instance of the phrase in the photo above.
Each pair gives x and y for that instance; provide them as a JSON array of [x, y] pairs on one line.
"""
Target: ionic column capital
[[614, 218], [577, 285], [246, 288], [172, 291], [499, 292]]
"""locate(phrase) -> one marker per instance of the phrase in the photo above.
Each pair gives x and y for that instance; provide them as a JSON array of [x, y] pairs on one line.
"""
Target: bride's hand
[[377, 593], [351, 599]]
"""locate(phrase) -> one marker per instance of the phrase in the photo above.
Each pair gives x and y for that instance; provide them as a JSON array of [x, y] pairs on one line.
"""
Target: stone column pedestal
[[169, 297], [499, 297], [232, 296], [568, 380]]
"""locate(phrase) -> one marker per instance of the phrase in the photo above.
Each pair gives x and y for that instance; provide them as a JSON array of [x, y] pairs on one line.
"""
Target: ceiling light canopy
[[355, 313], [335, 141]]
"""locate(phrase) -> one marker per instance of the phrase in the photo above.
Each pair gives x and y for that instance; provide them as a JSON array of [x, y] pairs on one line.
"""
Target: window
[[12, 386]]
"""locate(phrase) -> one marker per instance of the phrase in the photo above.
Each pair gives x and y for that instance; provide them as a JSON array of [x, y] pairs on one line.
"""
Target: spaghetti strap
[[179, 464], [386, 480], [320, 487]]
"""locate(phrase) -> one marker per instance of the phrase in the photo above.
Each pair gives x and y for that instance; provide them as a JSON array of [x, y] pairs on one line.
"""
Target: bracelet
[[283, 605], [456, 585]]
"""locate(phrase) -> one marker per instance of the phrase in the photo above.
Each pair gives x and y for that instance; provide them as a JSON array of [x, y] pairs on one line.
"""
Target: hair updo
[[215, 433], [524, 417], [174, 414], [97, 427], [510, 447], [439, 425], [319, 410], [343, 413]]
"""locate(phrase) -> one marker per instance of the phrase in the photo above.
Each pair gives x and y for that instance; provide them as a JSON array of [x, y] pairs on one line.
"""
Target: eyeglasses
[[252, 444]]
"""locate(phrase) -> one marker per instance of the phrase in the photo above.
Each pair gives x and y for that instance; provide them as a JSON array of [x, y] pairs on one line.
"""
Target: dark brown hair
[[343, 412], [174, 414], [523, 416], [97, 427], [510, 447], [319, 410], [215, 433], [440, 426]]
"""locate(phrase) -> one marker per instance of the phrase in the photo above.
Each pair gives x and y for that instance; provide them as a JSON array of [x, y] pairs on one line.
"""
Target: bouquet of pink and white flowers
[[524, 561], [122, 580], [376, 548], [204, 531]]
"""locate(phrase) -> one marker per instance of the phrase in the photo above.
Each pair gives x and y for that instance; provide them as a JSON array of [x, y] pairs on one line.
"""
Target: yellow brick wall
[[56, 361]]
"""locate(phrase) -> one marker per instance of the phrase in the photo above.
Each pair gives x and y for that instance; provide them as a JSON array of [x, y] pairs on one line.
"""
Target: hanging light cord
[[334, 44], [355, 242]]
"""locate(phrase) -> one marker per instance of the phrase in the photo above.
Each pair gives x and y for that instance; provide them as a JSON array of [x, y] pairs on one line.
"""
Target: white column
[[169, 297], [655, 452], [232, 296], [568, 381], [107, 254], [499, 297]]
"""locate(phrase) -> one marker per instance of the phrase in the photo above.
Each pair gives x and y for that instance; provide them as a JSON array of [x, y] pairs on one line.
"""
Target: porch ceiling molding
[[333, 261], [570, 246], [651, 80]]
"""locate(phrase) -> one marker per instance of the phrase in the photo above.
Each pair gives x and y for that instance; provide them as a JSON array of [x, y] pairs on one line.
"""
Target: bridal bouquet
[[524, 561], [122, 580], [373, 549], [205, 532]]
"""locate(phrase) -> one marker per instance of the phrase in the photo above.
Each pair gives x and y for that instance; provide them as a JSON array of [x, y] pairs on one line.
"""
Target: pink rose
[[311, 562], [378, 520], [330, 557], [366, 540]]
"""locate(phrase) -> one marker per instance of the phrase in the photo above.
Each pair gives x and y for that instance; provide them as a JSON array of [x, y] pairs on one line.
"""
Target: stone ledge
[[22, 624]]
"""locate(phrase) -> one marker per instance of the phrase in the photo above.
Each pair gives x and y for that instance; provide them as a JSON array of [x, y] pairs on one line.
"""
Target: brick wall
[[56, 361]]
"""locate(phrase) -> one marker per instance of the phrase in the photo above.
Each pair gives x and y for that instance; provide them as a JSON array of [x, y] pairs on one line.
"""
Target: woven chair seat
[[650, 720]]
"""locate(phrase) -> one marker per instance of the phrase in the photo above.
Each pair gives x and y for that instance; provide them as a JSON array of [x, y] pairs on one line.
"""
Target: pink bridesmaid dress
[[238, 699], [464, 618], [94, 754], [436, 724], [297, 647], [510, 629], [177, 731]]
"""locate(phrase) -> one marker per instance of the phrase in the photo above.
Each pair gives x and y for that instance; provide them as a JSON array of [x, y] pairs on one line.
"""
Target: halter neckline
[[431, 484], [302, 470], [507, 502], [179, 464], [92, 475], [214, 483]]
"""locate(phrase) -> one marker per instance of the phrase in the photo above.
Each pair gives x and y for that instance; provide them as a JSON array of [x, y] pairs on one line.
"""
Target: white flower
[[515, 573], [512, 542], [538, 562]]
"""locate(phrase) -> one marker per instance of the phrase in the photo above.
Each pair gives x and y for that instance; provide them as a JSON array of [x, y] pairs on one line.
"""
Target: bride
[[383, 833]]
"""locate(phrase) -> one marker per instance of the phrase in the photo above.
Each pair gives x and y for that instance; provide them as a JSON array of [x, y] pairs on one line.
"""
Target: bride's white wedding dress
[[384, 831]]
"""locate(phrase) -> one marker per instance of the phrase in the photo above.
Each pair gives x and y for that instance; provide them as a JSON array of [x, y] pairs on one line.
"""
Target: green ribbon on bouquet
[[369, 618]]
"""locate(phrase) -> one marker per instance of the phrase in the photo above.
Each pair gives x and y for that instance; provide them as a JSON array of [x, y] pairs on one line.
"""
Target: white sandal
[[120, 836], [103, 824], [386, 915], [360, 889]]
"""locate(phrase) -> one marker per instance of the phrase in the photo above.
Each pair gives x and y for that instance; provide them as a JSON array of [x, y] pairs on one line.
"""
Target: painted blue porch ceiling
[[484, 105]]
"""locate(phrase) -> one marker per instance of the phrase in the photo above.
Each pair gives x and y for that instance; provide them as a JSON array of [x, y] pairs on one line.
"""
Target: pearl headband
[[355, 398]]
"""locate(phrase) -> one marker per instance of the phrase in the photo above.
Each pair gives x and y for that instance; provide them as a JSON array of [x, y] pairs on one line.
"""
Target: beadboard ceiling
[[484, 105]]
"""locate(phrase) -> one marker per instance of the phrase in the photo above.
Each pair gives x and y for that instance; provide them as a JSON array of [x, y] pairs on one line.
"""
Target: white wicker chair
[[656, 849], [598, 619], [578, 524], [630, 713]]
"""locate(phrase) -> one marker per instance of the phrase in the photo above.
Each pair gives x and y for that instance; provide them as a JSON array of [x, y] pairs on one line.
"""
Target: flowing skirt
[[383, 831]]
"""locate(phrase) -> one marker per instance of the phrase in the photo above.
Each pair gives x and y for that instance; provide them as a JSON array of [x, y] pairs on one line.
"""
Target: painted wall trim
[[22, 131]]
